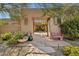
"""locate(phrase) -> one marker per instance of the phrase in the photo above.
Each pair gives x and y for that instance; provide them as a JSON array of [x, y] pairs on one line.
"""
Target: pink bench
[[57, 36]]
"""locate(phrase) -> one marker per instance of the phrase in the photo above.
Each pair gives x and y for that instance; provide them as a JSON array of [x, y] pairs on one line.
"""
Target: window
[[25, 21]]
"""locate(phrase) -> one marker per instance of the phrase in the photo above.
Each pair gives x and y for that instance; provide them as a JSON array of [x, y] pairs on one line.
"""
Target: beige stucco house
[[33, 17]]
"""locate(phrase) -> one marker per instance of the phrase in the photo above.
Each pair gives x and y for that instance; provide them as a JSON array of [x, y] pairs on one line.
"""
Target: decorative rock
[[24, 51], [7, 52], [15, 51]]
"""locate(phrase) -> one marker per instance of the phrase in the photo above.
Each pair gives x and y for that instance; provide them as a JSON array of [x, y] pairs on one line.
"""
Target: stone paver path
[[39, 46], [28, 50], [49, 46]]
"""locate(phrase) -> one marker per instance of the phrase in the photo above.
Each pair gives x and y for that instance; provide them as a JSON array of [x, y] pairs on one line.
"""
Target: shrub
[[15, 37], [70, 28], [6, 36], [25, 34], [71, 51], [13, 40], [19, 35], [67, 50]]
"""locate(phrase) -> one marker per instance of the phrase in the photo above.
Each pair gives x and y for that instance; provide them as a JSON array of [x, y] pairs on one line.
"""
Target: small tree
[[70, 28]]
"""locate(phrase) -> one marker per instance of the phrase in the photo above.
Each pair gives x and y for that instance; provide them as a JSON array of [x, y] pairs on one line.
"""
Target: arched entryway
[[40, 25]]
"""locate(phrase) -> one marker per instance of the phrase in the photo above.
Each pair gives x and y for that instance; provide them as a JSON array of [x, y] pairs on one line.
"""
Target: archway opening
[[40, 26]]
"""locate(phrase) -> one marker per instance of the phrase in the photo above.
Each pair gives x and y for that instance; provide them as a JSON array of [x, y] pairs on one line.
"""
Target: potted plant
[[30, 38], [20, 37]]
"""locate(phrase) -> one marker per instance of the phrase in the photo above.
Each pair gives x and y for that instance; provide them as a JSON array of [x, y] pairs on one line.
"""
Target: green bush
[[13, 40], [19, 35], [15, 37], [71, 51], [6, 36], [70, 28]]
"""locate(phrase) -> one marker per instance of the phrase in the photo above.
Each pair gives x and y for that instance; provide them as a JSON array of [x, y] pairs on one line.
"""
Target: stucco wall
[[30, 14], [12, 26], [54, 28]]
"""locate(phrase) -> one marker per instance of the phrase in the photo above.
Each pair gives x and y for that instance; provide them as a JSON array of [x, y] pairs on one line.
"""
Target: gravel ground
[[30, 50]]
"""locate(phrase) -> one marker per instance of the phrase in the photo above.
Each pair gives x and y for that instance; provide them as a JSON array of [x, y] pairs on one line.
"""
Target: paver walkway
[[49, 46], [39, 46]]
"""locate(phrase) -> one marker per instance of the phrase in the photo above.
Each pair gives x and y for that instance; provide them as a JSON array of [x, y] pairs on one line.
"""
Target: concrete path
[[49, 47], [42, 41]]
